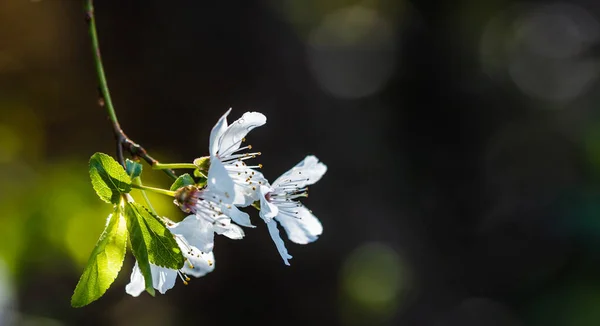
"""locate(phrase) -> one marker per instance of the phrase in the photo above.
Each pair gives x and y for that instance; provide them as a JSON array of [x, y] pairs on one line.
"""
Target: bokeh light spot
[[374, 277], [543, 49], [352, 54]]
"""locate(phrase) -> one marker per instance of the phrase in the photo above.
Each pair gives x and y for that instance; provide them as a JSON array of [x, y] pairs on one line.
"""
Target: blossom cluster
[[232, 183]]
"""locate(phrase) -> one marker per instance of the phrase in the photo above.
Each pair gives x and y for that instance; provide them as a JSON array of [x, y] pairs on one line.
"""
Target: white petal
[[136, 284], [246, 182], [267, 209], [197, 231], [236, 215], [163, 279], [219, 181], [244, 195], [301, 228], [231, 139], [272, 226], [305, 173], [216, 133], [199, 264], [229, 230]]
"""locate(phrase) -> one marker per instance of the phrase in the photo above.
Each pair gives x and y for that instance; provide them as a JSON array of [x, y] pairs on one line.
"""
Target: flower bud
[[203, 163]]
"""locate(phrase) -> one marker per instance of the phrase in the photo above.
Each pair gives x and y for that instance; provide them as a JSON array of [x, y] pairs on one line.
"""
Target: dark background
[[462, 140]]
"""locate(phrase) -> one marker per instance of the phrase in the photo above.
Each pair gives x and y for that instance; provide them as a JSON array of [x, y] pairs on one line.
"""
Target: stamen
[[222, 153], [288, 213], [239, 157], [181, 276], [241, 149]]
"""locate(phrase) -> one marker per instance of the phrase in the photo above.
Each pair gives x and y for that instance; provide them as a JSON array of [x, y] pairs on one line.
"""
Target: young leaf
[[182, 181], [133, 169], [109, 179], [105, 261], [151, 242]]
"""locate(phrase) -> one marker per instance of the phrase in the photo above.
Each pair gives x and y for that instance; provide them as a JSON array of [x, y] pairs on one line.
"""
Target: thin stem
[[156, 190], [162, 166], [123, 142], [138, 181], [106, 99]]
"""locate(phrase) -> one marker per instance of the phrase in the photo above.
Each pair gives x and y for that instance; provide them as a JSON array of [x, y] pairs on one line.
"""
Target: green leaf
[[182, 181], [133, 169], [109, 179], [151, 242], [105, 261]]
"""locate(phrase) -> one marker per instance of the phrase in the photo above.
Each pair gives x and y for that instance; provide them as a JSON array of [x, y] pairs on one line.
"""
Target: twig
[[123, 142]]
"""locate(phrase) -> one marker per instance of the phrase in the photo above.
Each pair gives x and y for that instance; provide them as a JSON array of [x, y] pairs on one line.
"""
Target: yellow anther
[[260, 166], [243, 139], [249, 146], [187, 278], [185, 283]]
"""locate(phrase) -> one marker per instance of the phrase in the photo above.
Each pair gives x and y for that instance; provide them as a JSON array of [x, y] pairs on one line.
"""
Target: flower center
[[187, 197]]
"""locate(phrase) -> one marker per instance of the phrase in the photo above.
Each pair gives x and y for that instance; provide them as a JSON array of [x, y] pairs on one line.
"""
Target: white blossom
[[226, 146], [279, 204], [213, 209]]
